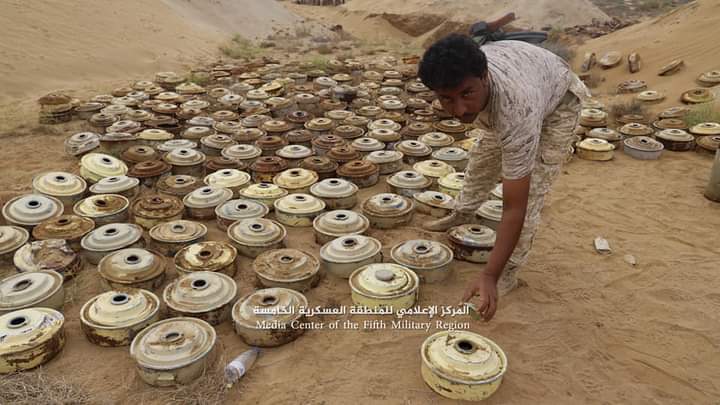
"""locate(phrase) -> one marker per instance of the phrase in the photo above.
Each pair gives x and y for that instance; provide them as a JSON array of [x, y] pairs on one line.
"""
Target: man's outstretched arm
[[484, 286]]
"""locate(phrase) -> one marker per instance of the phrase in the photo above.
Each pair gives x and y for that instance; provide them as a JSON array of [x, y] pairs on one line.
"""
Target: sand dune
[[689, 33], [50, 44]]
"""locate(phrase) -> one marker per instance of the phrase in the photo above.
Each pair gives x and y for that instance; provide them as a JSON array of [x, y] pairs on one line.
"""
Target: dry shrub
[[593, 80], [240, 48], [706, 112], [324, 49], [628, 107], [209, 389], [36, 387], [559, 48]]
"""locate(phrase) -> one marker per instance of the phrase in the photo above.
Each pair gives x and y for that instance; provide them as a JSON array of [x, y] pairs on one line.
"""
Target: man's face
[[467, 100]]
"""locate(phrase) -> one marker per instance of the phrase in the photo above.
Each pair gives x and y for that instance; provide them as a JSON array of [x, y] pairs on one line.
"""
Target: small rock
[[630, 259]]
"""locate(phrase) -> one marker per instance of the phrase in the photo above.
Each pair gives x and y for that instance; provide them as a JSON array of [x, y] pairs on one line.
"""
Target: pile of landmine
[[260, 148]]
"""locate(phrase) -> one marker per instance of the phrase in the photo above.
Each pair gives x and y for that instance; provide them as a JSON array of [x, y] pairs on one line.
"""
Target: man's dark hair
[[451, 60]]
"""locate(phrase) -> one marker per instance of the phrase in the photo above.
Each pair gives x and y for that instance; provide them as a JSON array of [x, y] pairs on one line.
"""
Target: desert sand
[[583, 328]]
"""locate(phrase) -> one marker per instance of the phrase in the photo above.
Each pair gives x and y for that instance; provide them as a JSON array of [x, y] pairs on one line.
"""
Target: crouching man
[[529, 101]]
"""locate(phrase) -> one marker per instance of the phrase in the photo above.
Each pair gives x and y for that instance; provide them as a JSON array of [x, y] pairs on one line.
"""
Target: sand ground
[[584, 329]]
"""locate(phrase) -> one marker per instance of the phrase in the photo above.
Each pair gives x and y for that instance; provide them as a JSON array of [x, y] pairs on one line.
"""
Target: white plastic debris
[[602, 246], [240, 365]]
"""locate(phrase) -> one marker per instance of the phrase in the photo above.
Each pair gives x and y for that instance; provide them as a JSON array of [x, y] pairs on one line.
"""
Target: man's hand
[[482, 292]]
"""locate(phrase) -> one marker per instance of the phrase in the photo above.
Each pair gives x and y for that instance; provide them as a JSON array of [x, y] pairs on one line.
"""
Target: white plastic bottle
[[240, 365]]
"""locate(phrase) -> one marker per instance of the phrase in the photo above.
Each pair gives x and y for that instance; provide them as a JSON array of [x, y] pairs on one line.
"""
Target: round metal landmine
[[452, 184], [236, 210], [96, 166], [698, 96], [66, 187], [643, 147], [277, 324], [132, 267], [298, 210], [12, 238], [636, 129], [408, 182], [114, 318], [595, 149], [706, 128], [676, 140], [31, 209], [128, 187], [336, 193], [51, 254], [472, 243], [253, 236], [384, 285], [203, 294], [103, 208], [333, 224], [287, 268], [433, 169], [387, 211], [36, 289], [31, 337], [265, 193], [201, 203], [710, 78], [207, 256], [490, 213], [151, 210], [174, 351], [434, 203], [110, 238], [72, 228], [430, 260], [296, 180], [462, 365], [345, 254], [632, 86], [169, 237]]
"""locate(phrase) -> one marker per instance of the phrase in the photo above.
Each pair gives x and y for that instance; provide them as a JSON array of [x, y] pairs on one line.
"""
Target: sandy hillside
[[49, 44], [689, 33], [531, 13], [584, 329], [420, 22]]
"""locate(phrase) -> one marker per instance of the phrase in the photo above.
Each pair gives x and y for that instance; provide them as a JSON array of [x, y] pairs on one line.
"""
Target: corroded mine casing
[[103, 208], [40, 289], [334, 224], [279, 326], [207, 256], [298, 210], [462, 365], [472, 243], [169, 237], [287, 268], [387, 211], [203, 294], [430, 260], [31, 337], [384, 286], [341, 256], [132, 268], [174, 351], [253, 236], [152, 210], [115, 317]]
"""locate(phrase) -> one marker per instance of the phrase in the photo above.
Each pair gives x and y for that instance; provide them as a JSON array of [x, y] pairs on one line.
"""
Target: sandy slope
[[531, 13], [49, 44], [689, 33]]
